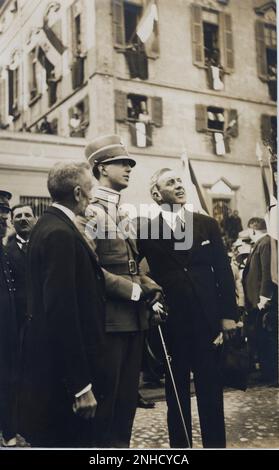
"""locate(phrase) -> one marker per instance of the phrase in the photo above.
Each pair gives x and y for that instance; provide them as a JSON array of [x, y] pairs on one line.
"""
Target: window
[[13, 92], [78, 46], [269, 131], [39, 204], [132, 13], [221, 123], [79, 118], [126, 17], [212, 39], [266, 43], [33, 81], [141, 113], [215, 119]]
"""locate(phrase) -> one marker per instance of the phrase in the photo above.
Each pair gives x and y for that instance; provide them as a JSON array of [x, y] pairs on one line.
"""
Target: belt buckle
[[132, 266]]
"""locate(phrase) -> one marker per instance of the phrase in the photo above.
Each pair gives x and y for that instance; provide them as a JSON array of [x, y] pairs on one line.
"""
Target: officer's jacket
[[118, 255]]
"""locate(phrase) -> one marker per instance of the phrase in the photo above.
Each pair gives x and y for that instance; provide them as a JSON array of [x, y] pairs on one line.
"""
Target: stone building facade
[[204, 82]]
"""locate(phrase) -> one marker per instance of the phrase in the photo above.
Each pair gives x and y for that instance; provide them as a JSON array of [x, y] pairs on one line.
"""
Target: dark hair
[[63, 178], [20, 206], [257, 223]]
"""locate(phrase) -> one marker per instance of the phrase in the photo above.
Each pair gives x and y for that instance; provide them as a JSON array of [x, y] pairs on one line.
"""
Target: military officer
[[126, 320]]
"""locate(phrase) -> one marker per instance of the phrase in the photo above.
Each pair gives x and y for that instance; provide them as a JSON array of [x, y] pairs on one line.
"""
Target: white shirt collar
[[20, 240], [64, 209], [171, 217]]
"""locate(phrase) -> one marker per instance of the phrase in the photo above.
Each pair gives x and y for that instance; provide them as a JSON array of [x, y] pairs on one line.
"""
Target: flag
[[193, 192], [53, 57], [271, 218], [146, 24]]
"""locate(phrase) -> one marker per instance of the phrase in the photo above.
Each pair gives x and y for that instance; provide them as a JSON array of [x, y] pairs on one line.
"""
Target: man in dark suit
[[9, 351], [23, 220], [261, 301], [186, 257], [63, 344], [126, 320]]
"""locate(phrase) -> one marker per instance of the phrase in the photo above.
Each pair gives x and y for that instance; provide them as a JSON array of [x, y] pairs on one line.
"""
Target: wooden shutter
[[11, 91], [266, 127], [227, 144], [157, 111], [73, 38], [2, 101], [118, 23], [120, 106], [225, 22], [201, 118], [149, 130], [261, 51], [232, 116], [197, 35], [86, 115]]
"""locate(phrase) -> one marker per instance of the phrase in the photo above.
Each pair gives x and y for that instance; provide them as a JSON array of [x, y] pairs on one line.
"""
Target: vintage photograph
[[138, 224]]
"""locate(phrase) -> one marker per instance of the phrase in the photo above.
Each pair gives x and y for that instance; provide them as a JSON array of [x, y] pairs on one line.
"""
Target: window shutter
[[157, 111], [2, 101], [201, 118], [70, 34], [118, 23], [120, 106], [197, 35], [261, 50], [266, 127], [227, 144], [73, 38], [133, 133], [11, 91], [227, 39], [86, 116], [232, 116], [148, 135]]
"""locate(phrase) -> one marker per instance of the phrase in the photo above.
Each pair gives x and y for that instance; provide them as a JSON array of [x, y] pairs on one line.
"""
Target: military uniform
[[126, 320]]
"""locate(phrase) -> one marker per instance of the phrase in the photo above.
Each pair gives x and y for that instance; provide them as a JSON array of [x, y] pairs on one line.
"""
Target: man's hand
[[150, 295], [85, 405], [159, 313], [228, 327]]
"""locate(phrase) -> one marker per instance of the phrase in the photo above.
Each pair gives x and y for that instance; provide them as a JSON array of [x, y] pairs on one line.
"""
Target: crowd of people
[[76, 307]]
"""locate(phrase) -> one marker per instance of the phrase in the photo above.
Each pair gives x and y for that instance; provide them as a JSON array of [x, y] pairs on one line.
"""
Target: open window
[[79, 118], [14, 92], [78, 44], [33, 76], [212, 43], [221, 123], [269, 131], [141, 113], [266, 47], [129, 21]]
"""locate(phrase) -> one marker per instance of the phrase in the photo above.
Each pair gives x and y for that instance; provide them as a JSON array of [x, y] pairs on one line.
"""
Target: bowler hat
[[107, 149], [5, 196]]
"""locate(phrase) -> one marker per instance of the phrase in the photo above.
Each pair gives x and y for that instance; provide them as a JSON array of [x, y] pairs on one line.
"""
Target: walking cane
[[174, 385]]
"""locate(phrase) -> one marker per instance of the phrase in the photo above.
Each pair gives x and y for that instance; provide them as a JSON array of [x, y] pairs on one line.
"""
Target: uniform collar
[[108, 195]]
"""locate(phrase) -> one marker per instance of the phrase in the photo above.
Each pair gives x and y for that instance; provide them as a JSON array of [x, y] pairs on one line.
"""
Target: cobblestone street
[[252, 421]]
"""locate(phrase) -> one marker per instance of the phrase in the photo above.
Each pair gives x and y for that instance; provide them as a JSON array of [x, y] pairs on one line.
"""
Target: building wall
[[172, 76]]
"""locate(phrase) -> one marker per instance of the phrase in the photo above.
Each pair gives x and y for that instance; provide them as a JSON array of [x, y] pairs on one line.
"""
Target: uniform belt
[[122, 268]]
